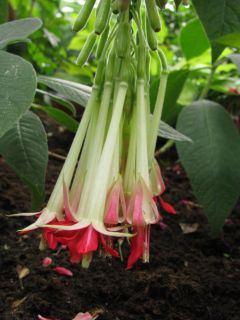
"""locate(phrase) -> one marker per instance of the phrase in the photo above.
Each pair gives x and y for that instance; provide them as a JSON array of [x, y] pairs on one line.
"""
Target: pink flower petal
[[43, 318], [134, 211], [46, 262], [116, 206], [63, 271], [84, 316]]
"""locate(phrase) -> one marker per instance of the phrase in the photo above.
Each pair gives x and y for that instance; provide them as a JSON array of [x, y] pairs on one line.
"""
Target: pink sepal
[[167, 206], [63, 271], [115, 205]]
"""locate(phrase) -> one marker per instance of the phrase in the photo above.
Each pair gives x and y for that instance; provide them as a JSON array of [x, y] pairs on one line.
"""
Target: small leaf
[[18, 30], [230, 40], [17, 89], [212, 161], [71, 90], [24, 148], [167, 132], [59, 116]]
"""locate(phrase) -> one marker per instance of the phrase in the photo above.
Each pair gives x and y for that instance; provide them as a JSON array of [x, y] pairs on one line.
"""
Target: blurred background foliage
[[54, 48]]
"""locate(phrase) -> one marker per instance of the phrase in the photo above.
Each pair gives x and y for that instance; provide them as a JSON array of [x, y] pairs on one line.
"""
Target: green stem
[[209, 82]]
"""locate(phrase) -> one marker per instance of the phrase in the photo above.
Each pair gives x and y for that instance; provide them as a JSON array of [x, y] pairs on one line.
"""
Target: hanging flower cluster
[[110, 181]]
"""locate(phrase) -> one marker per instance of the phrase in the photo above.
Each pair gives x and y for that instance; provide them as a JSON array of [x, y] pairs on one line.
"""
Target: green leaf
[[59, 116], [167, 132], [219, 18], [24, 148], [235, 57], [63, 102], [17, 30], [17, 89], [76, 92], [3, 11], [193, 39], [212, 160], [230, 40]]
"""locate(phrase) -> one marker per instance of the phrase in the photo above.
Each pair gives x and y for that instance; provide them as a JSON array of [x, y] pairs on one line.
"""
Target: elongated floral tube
[[55, 202], [157, 114], [96, 147], [102, 176]]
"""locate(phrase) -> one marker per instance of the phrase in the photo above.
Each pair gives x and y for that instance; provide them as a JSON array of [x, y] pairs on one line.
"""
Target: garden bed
[[190, 276]]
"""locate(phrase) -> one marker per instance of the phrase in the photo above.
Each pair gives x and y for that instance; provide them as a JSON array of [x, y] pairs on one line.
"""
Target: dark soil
[[190, 276]]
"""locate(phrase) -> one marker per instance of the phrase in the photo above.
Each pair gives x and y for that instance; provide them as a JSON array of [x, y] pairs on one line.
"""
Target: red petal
[[46, 262], [137, 246], [85, 242], [63, 271], [107, 248], [167, 206]]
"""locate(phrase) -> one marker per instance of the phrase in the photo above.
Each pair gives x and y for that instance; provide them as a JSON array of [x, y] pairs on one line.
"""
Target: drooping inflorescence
[[108, 186]]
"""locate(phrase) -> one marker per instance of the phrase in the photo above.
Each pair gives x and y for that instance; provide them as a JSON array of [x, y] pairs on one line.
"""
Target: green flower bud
[[83, 15], [103, 13], [87, 49]]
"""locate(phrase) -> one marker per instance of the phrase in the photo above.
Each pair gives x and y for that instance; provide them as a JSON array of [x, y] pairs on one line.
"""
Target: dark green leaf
[[212, 160], [24, 148], [73, 91], [17, 30], [59, 116], [193, 39], [219, 18], [17, 89], [3, 11]]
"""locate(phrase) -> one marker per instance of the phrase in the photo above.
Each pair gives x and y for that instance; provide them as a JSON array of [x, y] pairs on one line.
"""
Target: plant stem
[[209, 81]]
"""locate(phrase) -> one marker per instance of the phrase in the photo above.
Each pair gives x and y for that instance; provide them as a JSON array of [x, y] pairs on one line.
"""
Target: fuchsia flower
[[109, 181]]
